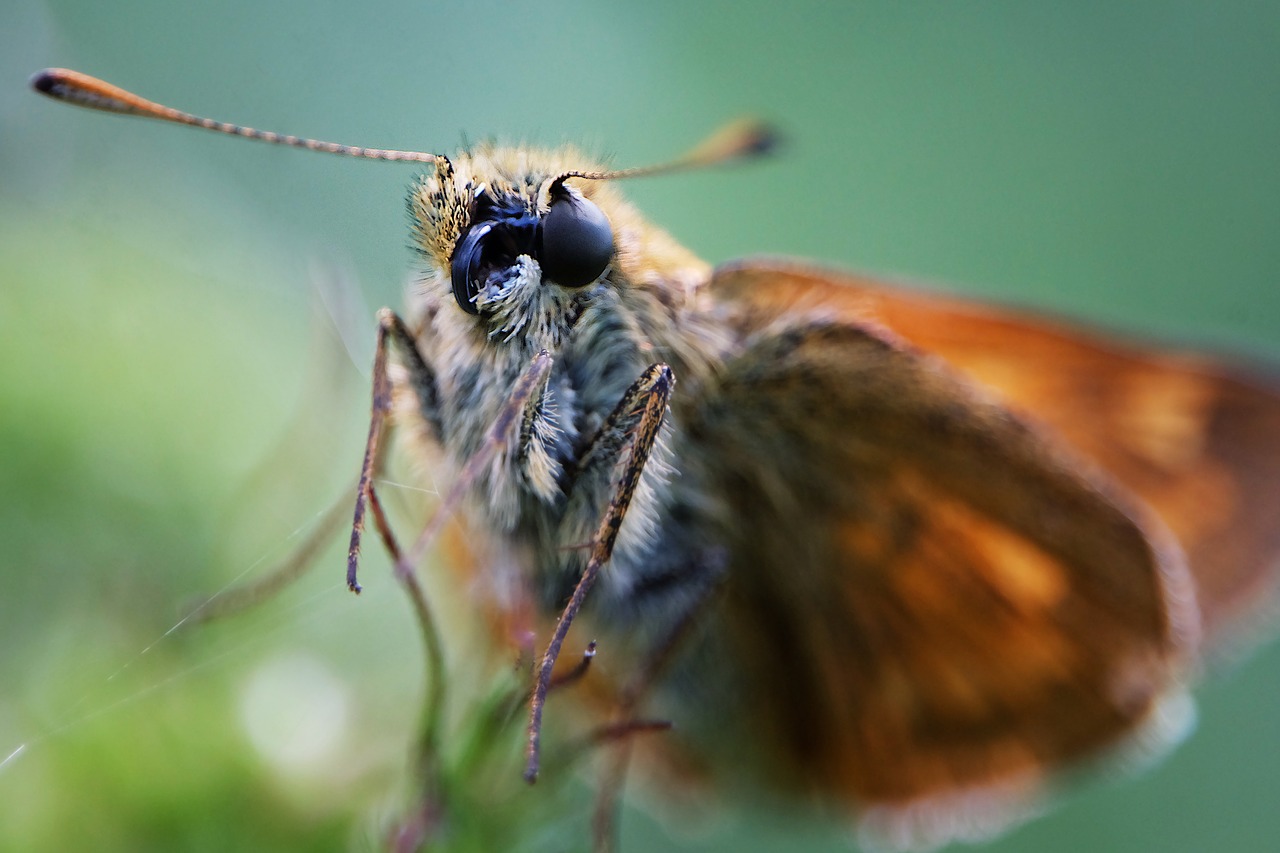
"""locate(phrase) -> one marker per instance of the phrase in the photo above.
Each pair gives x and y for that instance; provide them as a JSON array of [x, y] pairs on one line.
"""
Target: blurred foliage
[[170, 419]]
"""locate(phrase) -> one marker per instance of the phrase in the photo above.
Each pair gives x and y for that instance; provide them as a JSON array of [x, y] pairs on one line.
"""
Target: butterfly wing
[[1197, 441], [929, 595]]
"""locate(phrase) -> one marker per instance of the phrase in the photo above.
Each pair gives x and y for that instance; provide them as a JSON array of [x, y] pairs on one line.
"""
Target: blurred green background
[[168, 420]]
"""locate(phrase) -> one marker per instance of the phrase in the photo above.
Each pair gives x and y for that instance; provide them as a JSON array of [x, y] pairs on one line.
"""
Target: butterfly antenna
[[744, 138], [82, 90]]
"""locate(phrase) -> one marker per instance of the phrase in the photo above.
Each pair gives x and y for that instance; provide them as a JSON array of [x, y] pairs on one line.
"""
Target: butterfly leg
[[514, 414], [634, 423], [422, 379]]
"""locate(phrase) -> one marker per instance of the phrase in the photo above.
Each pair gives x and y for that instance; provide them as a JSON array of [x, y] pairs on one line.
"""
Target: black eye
[[466, 266], [577, 239], [503, 229]]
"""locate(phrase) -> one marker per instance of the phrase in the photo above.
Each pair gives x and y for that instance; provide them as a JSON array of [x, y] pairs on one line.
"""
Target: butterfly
[[883, 549]]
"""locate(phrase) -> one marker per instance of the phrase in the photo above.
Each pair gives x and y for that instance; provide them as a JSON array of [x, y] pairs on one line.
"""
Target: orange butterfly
[[863, 544]]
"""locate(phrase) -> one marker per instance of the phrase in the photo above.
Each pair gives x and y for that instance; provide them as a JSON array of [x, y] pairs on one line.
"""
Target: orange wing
[[1197, 441], [929, 599]]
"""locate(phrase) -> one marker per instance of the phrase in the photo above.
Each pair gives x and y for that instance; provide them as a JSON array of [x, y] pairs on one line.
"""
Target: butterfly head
[[507, 235]]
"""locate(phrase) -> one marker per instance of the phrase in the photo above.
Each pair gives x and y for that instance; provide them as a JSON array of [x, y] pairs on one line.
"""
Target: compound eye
[[577, 239], [467, 257]]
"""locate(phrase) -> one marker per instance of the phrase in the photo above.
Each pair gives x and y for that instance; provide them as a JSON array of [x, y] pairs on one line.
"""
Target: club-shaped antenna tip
[[44, 81]]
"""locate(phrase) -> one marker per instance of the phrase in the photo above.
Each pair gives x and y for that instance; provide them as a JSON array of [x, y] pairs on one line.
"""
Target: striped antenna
[[82, 90]]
